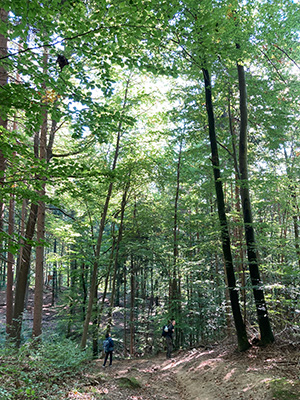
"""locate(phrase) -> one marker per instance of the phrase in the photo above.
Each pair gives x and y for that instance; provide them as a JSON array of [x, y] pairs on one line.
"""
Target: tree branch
[[274, 66], [290, 58]]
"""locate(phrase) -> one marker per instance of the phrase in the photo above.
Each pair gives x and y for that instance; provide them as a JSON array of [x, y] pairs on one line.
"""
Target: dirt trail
[[215, 373], [218, 373]]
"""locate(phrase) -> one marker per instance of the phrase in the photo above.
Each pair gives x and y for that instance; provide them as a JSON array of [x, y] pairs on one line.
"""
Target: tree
[[39, 270], [243, 343], [3, 119], [261, 307]]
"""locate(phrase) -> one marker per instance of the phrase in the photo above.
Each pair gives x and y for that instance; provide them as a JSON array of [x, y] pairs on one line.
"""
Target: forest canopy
[[149, 170]]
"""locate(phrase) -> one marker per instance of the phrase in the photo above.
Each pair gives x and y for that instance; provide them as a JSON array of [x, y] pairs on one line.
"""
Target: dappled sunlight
[[75, 394], [251, 386], [229, 374], [187, 358], [207, 364]]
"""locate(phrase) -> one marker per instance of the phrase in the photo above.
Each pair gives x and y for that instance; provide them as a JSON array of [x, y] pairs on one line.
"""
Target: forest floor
[[216, 372]]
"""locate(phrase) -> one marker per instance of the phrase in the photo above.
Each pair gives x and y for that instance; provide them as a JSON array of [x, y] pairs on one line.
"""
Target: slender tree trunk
[[239, 229], [95, 323], [54, 276], [39, 265], [240, 246], [3, 120], [107, 277], [101, 230], [10, 263], [132, 304], [22, 234], [243, 343], [125, 310], [23, 277], [120, 233], [73, 276], [261, 307], [83, 281], [175, 292], [295, 208]]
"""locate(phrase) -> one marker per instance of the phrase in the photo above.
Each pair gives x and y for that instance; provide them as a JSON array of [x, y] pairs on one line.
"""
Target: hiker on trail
[[168, 334], [108, 347]]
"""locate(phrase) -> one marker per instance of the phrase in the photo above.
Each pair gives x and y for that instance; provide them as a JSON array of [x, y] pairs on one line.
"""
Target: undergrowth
[[39, 368], [284, 389]]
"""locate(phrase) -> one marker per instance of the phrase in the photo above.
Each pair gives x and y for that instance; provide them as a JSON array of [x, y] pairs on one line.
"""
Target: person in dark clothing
[[108, 347], [169, 337]]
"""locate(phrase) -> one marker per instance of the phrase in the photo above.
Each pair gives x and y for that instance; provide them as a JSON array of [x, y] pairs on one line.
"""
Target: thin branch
[[51, 44], [225, 148], [290, 58], [274, 66], [62, 211]]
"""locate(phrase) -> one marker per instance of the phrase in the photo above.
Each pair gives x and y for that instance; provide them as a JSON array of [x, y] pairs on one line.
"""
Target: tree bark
[[54, 276], [73, 276], [175, 305], [243, 343], [15, 333], [120, 233], [266, 335], [10, 263], [132, 304], [39, 265], [125, 310], [295, 208], [3, 120]]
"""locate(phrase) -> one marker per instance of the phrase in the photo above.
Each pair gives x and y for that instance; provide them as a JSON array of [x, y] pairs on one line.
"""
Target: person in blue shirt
[[108, 347]]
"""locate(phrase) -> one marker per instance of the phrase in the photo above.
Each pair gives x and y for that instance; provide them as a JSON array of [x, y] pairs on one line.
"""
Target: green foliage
[[38, 367], [129, 382], [158, 47], [285, 389]]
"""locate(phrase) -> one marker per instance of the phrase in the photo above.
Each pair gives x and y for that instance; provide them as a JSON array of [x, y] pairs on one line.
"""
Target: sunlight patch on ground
[[123, 371], [251, 386], [170, 365], [207, 364], [193, 355], [229, 374], [204, 353], [75, 394]]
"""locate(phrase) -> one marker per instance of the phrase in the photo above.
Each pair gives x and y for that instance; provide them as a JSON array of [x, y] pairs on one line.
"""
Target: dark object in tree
[[62, 61]]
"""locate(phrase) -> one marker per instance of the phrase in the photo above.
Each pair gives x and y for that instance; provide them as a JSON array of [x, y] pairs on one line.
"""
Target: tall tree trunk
[[125, 310], [83, 281], [73, 275], [54, 276], [120, 233], [95, 323], [295, 208], [22, 234], [261, 307], [21, 285], [10, 263], [239, 229], [175, 285], [240, 246], [132, 304], [3, 120], [101, 230], [39, 264], [23, 272], [243, 343]]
